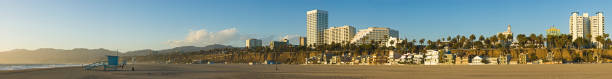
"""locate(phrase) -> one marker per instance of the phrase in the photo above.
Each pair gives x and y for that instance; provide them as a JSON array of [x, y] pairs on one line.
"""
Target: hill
[[82, 55]]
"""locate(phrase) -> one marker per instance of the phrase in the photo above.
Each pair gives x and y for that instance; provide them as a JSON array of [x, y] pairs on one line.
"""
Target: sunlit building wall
[[316, 23], [253, 43], [341, 35], [376, 34]]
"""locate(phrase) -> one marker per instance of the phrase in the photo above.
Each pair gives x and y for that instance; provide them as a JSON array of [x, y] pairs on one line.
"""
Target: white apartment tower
[[316, 23], [597, 25], [376, 34], [581, 26], [342, 34], [578, 25]]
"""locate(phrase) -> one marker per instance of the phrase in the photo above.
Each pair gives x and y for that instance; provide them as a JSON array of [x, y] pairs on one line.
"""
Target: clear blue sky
[[152, 24]]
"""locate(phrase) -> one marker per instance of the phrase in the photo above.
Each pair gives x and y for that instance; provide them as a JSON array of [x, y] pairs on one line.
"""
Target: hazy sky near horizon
[[160, 24]]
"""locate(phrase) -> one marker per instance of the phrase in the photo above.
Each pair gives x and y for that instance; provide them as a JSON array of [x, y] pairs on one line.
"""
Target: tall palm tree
[[472, 37], [422, 41]]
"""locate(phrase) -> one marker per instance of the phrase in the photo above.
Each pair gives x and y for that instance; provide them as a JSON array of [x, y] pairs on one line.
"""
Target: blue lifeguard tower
[[112, 63]]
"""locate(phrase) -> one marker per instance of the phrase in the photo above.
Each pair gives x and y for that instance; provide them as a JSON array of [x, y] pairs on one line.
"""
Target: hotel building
[[279, 44], [342, 34], [316, 23], [581, 26], [253, 43], [596, 25], [376, 34]]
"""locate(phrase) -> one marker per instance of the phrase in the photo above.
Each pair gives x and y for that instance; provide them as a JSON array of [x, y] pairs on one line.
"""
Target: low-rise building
[[476, 60], [504, 59], [449, 58], [393, 41], [431, 57], [459, 60], [279, 44], [553, 31], [492, 60], [417, 59], [522, 58]]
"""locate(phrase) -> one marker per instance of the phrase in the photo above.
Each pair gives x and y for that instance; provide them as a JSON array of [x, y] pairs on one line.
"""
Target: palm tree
[[493, 41], [579, 42], [422, 41], [540, 39], [600, 40], [521, 40], [607, 43], [472, 37]]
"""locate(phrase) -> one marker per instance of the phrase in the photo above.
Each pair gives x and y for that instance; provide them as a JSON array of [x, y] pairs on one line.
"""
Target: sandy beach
[[242, 71]]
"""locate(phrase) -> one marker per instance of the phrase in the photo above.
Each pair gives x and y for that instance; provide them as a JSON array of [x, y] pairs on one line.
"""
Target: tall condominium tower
[[597, 25], [316, 23], [342, 34], [582, 26], [376, 34], [578, 25]]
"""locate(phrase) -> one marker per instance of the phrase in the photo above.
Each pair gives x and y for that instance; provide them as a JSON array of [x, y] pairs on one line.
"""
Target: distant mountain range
[[82, 55], [176, 49]]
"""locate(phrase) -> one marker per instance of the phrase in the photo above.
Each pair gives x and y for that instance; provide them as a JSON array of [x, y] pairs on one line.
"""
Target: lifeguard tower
[[113, 63]]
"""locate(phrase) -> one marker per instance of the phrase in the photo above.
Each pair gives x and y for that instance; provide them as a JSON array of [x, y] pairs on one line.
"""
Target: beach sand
[[243, 71]]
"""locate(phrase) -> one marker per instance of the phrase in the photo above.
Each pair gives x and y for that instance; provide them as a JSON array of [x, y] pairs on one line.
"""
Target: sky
[[128, 25]]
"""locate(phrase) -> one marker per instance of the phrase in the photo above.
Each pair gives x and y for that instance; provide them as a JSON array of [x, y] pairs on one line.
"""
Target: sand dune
[[240, 71]]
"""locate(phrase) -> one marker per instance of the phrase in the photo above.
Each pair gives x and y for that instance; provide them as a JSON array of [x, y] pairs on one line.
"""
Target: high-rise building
[[253, 43], [376, 34], [342, 34], [303, 41], [577, 25], [316, 23], [582, 26], [596, 25]]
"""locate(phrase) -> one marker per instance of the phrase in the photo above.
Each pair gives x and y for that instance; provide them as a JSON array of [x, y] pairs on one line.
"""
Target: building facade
[[316, 23], [376, 34], [508, 31], [253, 43], [552, 31], [341, 35], [582, 26], [303, 41], [596, 25], [393, 41], [279, 44], [577, 25]]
